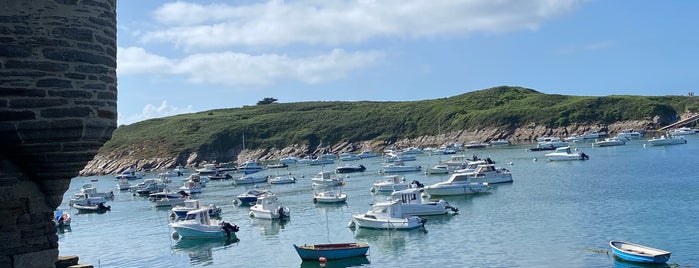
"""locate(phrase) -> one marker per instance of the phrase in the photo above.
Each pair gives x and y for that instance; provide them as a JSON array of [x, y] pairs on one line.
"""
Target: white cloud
[[135, 60], [152, 111], [229, 68], [278, 23]]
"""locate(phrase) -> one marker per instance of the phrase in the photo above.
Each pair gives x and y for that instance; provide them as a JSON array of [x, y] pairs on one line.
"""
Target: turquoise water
[[554, 214]]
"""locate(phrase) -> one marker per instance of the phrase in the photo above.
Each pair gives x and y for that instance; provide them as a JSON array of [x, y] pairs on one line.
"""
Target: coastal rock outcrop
[[114, 162]]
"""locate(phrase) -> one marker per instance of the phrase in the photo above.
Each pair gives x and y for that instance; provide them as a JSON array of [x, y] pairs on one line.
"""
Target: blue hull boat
[[638, 253], [331, 251]]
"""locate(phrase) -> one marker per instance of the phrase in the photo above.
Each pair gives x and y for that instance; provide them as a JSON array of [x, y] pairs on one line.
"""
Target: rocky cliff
[[114, 162]]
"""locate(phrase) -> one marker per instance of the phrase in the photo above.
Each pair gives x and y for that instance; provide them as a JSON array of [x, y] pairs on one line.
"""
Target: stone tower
[[58, 93]]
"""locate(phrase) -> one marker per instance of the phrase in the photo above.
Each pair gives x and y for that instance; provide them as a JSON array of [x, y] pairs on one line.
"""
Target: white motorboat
[[198, 224], [412, 204], [457, 184], [386, 215], [551, 142], [191, 186], [327, 178], [130, 174], [85, 198], [123, 184], [615, 141], [592, 135], [250, 179], [150, 188], [470, 166], [412, 151], [682, 131], [475, 145], [329, 197], [282, 179], [399, 166], [321, 161], [92, 192], [267, 207], [456, 161], [61, 219], [89, 203], [486, 173], [667, 140], [629, 134], [250, 167], [438, 169], [169, 201], [289, 160], [390, 183], [565, 154], [193, 204]]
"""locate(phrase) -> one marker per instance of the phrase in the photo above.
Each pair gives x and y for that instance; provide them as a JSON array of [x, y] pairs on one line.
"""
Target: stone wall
[[58, 106]]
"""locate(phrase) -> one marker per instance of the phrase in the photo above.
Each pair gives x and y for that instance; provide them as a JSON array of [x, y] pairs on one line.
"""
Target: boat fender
[[315, 200]]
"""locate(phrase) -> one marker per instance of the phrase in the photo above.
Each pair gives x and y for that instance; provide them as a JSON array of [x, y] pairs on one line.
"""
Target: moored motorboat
[[350, 169], [386, 215], [282, 179], [565, 154], [390, 183], [193, 204], [329, 197], [91, 207], [327, 178], [331, 251], [251, 196], [438, 169], [198, 224], [639, 253], [486, 173], [399, 166], [667, 140], [250, 167], [267, 207], [250, 179], [130, 174], [411, 203], [610, 142], [457, 185]]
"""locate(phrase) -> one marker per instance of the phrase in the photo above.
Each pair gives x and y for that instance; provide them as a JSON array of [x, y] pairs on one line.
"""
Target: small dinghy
[[331, 251], [638, 253]]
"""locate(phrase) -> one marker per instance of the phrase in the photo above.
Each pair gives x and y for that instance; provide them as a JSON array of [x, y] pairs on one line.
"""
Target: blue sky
[[189, 56]]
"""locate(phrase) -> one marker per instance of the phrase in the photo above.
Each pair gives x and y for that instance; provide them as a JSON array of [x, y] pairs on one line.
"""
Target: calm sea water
[[554, 214]]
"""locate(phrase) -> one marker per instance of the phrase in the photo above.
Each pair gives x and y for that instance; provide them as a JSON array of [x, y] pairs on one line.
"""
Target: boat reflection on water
[[269, 227], [339, 263], [63, 229], [388, 241], [619, 263], [200, 251]]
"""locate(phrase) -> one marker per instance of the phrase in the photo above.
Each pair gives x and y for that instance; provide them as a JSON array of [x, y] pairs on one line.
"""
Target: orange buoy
[[322, 259]]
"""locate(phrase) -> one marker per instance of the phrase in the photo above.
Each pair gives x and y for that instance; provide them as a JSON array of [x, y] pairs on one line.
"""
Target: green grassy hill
[[221, 132]]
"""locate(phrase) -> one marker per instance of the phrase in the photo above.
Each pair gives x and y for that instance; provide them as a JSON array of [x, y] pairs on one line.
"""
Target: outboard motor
[[417, 184], [228, 228], [584, 156]]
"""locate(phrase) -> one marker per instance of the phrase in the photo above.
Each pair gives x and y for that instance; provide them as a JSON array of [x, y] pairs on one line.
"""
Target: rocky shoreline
[[114, 162]]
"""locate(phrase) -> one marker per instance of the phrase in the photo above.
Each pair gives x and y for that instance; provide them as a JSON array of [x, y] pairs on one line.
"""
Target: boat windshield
[[191, 216]]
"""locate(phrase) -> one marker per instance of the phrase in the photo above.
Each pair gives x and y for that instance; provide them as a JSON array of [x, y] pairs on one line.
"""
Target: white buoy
[[534, 159]]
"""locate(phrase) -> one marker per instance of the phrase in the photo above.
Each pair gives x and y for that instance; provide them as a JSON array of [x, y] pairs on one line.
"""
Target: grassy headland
[[218, 133]]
